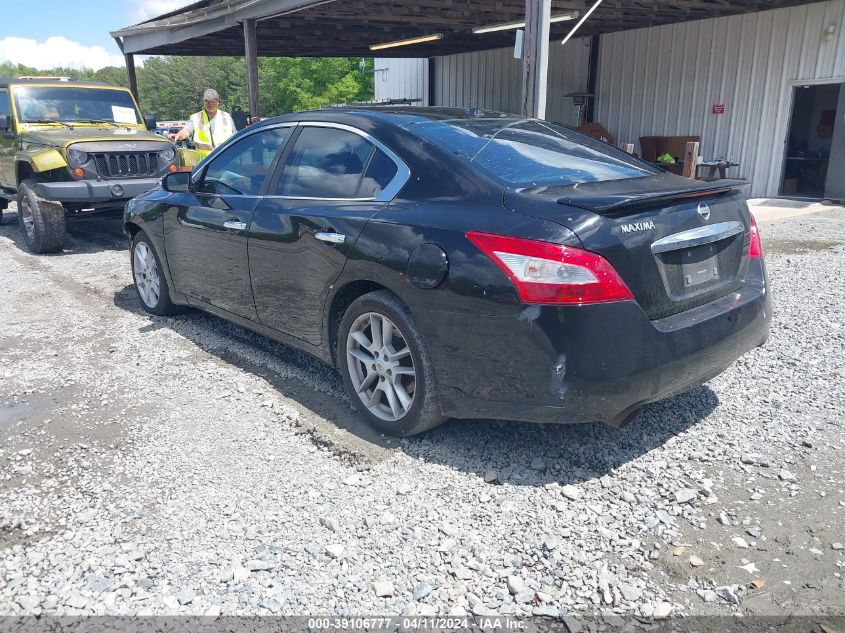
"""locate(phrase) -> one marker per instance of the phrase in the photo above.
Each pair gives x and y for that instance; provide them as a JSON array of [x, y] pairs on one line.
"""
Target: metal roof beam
[[151, 35]]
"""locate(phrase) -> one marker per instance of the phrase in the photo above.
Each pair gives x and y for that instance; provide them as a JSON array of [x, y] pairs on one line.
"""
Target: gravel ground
[[183, 465]]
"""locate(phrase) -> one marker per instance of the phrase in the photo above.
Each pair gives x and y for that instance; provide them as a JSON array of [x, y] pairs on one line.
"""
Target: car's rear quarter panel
[[482, 340]]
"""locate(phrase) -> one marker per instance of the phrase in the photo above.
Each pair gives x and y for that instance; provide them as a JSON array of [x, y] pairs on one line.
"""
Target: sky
[[71, 34]]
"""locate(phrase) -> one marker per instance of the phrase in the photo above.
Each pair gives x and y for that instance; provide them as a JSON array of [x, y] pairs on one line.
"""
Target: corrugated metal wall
[[492, 80], [398, 78], [665, 80]]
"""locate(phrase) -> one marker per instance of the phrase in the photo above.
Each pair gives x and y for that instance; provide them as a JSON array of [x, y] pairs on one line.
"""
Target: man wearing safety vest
[[209, 127]]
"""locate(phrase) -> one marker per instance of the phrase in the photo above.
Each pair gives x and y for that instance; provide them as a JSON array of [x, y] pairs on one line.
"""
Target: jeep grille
[[126, 165]]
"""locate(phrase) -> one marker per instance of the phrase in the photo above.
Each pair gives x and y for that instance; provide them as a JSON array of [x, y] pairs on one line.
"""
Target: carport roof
[[346, 28]]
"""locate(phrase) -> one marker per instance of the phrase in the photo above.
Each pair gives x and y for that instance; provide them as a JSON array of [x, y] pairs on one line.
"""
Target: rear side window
[[325, 163], [241, 168], [379, 174], [527, 153]]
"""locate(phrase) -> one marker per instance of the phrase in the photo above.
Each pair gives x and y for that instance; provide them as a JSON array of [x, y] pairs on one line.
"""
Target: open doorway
[[810, 140]]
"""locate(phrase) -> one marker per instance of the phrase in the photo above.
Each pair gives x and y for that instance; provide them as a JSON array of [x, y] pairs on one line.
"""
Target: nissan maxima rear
[[461, 264]]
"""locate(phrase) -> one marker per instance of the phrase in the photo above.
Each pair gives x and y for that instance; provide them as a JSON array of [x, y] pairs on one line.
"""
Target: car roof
[[5, 82], [395, 115]]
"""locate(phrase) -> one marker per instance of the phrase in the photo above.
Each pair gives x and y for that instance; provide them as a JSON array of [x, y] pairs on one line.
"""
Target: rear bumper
[[95, 191], [593, 363]]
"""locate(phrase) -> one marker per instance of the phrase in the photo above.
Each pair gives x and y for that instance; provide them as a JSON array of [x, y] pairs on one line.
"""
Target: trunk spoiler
[[615, 195]]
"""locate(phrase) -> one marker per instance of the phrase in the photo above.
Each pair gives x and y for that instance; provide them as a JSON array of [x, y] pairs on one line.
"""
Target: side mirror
[[4, 122], [150, 122], [178, 181]]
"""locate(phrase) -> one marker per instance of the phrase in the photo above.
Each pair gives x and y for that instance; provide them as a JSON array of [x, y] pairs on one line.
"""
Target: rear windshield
[[45, 104], [529, 153]]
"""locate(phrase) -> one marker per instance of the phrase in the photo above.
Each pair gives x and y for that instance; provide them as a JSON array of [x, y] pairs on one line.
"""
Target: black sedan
[[461, 264]]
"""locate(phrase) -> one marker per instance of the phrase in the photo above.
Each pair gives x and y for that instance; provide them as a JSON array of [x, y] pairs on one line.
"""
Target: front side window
[[69, 104], [325, 163], [529, 153], [241, 168]]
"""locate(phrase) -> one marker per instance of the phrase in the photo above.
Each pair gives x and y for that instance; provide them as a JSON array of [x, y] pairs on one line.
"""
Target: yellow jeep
[[73, 149]]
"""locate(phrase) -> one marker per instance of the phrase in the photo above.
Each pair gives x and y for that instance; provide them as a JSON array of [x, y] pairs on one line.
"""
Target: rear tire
[[386, 366], [42, 222], [150, 282]]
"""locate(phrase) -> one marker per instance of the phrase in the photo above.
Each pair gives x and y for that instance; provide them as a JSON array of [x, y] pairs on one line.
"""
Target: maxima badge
[[638, 226]]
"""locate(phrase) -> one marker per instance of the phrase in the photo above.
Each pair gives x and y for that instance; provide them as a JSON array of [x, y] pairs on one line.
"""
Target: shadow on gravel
[[569, 453], [96, 234], [91, 235], [294, 374]]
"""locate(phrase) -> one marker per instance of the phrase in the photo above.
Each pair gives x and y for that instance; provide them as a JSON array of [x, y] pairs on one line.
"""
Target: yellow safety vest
[[204, 140]]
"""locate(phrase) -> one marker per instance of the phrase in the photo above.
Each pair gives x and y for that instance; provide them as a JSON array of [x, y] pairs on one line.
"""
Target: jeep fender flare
[[36, 162]]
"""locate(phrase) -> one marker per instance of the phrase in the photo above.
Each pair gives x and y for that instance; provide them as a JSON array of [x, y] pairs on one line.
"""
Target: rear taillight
[[755, 249], [551, 273]]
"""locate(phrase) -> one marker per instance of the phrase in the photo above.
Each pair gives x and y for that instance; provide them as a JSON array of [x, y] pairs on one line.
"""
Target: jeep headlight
[[168, 155], [76, 157]]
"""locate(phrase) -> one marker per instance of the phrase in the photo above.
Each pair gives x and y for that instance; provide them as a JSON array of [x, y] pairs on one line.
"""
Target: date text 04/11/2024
[[416, 623]]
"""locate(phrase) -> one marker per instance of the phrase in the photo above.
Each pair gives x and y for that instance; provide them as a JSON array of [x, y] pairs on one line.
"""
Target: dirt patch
[[798, 247], [770, 536]]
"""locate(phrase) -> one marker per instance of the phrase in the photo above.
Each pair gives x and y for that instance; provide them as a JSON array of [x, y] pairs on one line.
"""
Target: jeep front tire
[[42, 222]]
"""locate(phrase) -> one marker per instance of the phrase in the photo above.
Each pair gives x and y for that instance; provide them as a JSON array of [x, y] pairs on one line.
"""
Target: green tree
[[172, 87], [111, 75], [292, 84]]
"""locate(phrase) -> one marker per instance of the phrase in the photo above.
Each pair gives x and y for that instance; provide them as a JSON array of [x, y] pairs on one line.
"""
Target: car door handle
[[331, 238], [234, 224]]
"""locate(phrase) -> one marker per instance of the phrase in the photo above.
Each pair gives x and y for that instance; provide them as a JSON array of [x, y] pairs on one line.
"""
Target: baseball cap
[[210, 95]]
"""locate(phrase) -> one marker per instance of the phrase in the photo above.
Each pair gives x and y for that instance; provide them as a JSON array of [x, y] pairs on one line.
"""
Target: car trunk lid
[[676, 243]]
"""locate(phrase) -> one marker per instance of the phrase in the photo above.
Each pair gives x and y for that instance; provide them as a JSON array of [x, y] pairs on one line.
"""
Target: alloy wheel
[[381, 366], [26, 217], [146, 274]]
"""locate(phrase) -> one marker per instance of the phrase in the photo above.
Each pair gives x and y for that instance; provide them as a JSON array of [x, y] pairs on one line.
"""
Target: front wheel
[[150, 283], [386, 366], [42, 222]]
